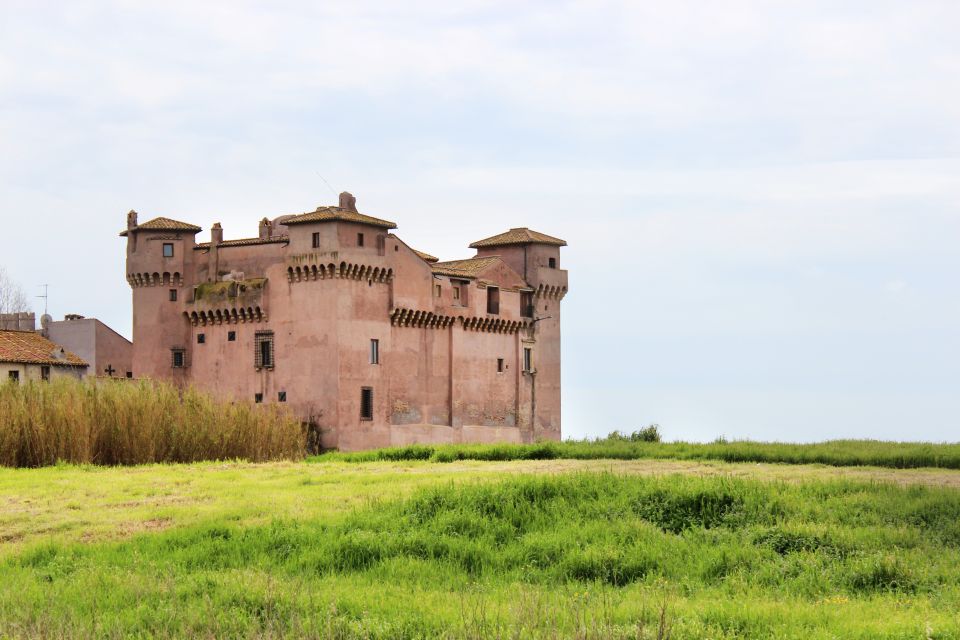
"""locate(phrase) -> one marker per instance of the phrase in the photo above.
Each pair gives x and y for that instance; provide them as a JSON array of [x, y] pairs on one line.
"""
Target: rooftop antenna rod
[[332, 190], [45, 296]]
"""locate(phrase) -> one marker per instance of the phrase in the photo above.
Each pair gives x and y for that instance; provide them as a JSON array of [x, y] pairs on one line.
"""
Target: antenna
[[332, 190], [45, 297]]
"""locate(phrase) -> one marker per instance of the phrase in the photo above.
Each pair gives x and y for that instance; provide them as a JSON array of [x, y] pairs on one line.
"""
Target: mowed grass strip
[[894, 455], [572, 555]]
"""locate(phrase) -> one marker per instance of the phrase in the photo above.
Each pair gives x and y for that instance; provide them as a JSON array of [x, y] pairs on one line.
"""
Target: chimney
[[131, 236], [213, 265], [347, 201], [266, 229]]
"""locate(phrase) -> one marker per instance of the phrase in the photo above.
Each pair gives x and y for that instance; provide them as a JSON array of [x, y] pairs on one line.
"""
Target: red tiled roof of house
[[29, 347], [326, 214], [469, 268], [164, 224], [426, 257], [521, 235], [244, 242]]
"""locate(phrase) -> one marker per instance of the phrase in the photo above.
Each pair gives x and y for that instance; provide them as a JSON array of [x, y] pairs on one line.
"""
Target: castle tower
[[536, 257], [159, 263]]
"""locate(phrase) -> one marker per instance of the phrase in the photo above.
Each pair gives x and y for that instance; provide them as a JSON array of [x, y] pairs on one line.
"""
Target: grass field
[[473, 549], [842, 453]]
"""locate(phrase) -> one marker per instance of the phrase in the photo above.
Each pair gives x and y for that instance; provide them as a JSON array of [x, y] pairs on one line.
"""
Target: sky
[[761, 199]]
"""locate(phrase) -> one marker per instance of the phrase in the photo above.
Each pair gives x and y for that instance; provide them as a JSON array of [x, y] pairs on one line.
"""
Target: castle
[[370, 341]]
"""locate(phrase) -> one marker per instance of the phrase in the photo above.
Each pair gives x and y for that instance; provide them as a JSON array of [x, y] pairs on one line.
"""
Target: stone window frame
[[374, 351]]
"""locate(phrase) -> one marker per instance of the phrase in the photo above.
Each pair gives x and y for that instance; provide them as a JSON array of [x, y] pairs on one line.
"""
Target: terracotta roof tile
[[244, 242], [520, 235], [325, 214], [29, 347], [164, 224], [469, 268], [426, 257]]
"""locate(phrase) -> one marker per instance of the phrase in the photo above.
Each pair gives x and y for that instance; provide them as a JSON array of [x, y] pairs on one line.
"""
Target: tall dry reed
[[120, 422]]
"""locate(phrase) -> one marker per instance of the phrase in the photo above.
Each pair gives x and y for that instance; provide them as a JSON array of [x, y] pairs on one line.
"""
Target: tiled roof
[[520, 235], [325, 214], [164, 224], [469, 268], [426, 257], [29, 347], [244, 242]]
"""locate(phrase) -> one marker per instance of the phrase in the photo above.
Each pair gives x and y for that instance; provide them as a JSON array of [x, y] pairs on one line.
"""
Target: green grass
[[895, 455], [410, 550]]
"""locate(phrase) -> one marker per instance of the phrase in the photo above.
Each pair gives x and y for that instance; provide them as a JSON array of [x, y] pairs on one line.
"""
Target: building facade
[[374, 343], [107, 352], [27, 355]]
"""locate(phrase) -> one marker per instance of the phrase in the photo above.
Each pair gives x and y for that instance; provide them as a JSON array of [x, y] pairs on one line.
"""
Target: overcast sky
[[761, 199]]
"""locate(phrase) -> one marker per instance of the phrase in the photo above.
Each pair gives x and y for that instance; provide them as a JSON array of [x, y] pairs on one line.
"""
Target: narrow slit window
[[173, 295], [167, 249], [263, 350], [374, 351], [499, 365], [366, 403], [527, 359], [359, 239], [316, 240]]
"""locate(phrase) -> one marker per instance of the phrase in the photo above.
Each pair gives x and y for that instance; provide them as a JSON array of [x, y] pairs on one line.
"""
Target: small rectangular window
[[527, 359], [173, 295], [14, 376], [201, 338], [456, 292], [231, 336], [282, 396], [316, 239], [258, 398], [359, 239], [493, 300], [437, 291], [499, 365], [374, 351], [263, 349], [129, 374], [44, 372], [553, 263], [366, 403], [178, 357], [167, 249]]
